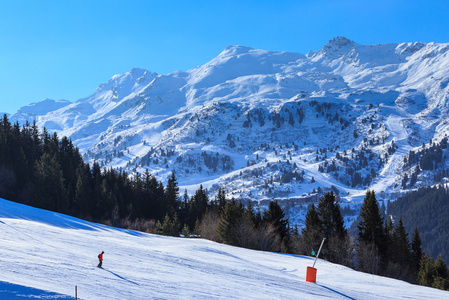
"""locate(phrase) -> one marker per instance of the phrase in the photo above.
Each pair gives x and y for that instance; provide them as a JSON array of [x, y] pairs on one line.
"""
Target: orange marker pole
[[311, 271]]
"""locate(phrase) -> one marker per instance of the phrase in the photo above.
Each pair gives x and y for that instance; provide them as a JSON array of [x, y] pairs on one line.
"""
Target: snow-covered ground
[[44, 255]]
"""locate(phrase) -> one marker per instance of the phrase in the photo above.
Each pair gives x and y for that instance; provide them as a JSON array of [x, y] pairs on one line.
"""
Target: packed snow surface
[[44, 255]]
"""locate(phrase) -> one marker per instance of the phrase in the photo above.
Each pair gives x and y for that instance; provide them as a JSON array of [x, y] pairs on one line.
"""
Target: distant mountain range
[[273, 125]]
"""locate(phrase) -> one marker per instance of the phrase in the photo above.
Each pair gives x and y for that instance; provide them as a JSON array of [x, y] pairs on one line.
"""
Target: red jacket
[[100, 256]]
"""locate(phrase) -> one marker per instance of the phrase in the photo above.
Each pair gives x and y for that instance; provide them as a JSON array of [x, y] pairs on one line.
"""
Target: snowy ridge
[[45, 254], [271, 125]]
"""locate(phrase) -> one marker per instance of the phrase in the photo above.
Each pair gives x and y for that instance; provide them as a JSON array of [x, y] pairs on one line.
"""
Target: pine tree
[[150, 197], [312, 221], [331, 220], [185, 231], [311, 234], [172, 195], [184, 208], [220, 200], [232, 213], [275, 216], [171, 227], [427, 271], [197, 206], [371, 225], [441, 279], [249, 214], [372, 252], [336, 247], [401, 246], [416, 249]]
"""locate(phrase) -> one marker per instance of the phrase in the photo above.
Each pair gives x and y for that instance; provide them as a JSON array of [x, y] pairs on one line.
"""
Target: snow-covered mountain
[[44, 255], [274, 125]]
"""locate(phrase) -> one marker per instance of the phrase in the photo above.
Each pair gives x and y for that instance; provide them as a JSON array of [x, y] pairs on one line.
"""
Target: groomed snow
[[45, 255]]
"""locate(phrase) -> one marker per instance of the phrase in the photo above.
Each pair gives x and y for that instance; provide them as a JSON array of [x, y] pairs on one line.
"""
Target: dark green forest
[[428, 210], [45, 171]]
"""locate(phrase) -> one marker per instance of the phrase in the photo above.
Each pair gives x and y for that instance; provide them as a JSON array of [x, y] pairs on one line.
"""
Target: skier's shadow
[[122, 278]]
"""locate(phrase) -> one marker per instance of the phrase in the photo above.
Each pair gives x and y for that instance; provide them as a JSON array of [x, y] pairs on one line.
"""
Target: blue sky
[[64, 49]]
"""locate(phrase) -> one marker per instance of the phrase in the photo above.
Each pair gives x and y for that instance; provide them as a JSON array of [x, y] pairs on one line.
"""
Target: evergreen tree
[[311, 234], [275, 216], [427, 271], [184, 208], [312, 221], [441, 279], [150, 196], [372, 237], [172, 195], [220, 200], [171, 227], [332, 223], [336, 247], [371, 225], [416, 249], [249, 214], [227, 227], [402, 251], [198, 206]]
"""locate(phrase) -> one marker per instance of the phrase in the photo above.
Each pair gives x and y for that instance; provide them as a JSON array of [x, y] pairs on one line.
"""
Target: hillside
[[428, 210], [274, 125], [45, 255]]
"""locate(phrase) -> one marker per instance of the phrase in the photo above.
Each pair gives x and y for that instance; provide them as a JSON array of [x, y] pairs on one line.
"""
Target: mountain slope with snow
[[45, 255], [273, 125]]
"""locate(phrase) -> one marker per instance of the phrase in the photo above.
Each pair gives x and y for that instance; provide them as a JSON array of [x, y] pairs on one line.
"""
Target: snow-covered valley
[[44, 255]]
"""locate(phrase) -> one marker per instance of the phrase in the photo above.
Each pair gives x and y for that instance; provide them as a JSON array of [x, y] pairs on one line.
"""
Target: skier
[[100, 258]]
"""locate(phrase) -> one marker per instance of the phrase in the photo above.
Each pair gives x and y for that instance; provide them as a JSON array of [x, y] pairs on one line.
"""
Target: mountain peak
[[137, 70], [236, 50], [339, 41]]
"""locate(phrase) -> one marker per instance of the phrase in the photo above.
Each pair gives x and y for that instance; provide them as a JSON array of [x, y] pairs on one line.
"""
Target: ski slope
[[44, 255]]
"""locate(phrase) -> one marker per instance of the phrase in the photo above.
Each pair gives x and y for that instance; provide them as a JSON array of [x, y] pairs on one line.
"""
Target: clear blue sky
[[64, 49]]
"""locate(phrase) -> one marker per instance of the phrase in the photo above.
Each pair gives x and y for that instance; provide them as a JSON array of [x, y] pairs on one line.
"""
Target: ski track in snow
[[390, 171], [45, 255]]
